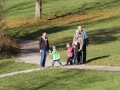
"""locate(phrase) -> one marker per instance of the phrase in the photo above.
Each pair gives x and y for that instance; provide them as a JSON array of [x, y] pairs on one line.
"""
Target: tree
[[38, 9]]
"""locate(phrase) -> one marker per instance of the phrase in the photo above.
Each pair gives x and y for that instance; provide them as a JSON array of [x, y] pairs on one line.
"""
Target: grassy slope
[[9, 65], [99, 18], [62, 79]]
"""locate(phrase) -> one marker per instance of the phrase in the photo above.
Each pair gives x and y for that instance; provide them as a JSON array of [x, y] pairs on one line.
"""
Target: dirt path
[[30, 54]]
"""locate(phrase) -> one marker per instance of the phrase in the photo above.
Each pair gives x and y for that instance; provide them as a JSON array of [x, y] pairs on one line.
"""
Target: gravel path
[[30, 54]]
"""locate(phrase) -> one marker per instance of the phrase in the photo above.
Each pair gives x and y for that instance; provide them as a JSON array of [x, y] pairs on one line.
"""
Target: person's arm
[[86, 38], [51, 53], [73, 38], [48, 44], [81, 43], [40, 44]]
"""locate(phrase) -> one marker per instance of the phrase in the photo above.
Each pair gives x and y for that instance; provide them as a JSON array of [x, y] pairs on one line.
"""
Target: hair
[[68, 44], [79, 26], [44, 32]]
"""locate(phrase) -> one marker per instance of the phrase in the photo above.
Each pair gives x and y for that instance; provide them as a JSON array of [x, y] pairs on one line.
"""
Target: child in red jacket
[[70, 53]]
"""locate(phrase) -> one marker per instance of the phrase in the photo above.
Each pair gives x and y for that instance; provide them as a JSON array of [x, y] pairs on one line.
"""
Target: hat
[[54, 47], [77, 31]]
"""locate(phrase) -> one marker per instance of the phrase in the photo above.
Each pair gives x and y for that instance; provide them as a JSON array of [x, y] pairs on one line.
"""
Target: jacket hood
[[79, 35]]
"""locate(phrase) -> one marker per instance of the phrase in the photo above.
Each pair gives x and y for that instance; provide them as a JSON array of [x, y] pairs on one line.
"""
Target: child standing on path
[[56, 56], [75, 46], [70, 53]]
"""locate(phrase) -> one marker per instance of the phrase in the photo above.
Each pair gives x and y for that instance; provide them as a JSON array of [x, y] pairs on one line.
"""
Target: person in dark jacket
[[86, 42], [44, 48], [75, 46]]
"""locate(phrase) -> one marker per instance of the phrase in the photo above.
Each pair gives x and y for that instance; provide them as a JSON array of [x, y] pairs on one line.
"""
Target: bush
[[7, 44]]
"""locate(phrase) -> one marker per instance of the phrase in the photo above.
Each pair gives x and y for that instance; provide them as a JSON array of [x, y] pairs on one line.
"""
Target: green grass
[[61, 21], [62, 79], [21, 8], [10, 65]]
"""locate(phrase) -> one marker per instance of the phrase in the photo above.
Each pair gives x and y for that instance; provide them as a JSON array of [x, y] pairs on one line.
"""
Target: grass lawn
[[62, 79], [101, 20], [9, 65]]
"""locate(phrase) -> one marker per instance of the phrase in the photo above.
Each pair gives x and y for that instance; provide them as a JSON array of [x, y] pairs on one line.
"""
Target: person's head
[[54, 48], [44, 34], [77, 32], [80, 28], [75, 43], [67, 45]]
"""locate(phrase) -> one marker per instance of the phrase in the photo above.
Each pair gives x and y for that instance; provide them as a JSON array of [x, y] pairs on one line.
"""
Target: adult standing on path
[[44, 48], [79, 39], [86, 41]]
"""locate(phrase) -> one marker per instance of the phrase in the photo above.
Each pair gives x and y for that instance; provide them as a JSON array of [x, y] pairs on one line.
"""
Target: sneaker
[[42, 68], [45, 67], [52, 67], [61, 65]]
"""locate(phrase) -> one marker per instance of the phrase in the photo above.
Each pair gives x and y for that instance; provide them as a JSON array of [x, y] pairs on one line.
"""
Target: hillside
[[101, 20]]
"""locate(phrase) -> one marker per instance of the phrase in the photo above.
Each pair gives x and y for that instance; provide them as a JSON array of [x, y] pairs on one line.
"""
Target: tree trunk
[[38, 9]]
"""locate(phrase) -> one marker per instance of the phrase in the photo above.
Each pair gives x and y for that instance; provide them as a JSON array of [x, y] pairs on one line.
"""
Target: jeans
[[55, 61], [43, 57], [75, 57]]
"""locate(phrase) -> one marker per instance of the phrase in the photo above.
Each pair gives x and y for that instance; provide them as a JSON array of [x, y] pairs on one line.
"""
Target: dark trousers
[[84, 53], [79, 57], [69, 59]]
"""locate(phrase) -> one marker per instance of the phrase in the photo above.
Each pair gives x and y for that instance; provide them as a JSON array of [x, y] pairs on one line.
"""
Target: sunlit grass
[[100, 22], [10, 65], [62, 79]]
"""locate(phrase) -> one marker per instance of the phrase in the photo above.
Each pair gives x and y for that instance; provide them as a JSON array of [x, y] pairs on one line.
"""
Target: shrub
[[7, 44]]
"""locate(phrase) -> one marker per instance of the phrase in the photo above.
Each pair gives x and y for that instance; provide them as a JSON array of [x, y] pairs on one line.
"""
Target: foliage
[[7, 44]]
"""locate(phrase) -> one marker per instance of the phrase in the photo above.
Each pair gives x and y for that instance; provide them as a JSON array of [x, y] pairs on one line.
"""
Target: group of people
[[76, 52]]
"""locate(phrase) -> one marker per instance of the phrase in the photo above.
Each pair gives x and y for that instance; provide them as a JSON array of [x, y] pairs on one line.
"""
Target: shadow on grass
[[99, 36], [92, 23], [84, 8], [49, 30], [96, 58], [20, 6], [102, 36]]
